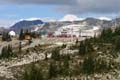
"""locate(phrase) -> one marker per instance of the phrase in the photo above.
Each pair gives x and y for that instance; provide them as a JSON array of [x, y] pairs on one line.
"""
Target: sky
[[12, 11]]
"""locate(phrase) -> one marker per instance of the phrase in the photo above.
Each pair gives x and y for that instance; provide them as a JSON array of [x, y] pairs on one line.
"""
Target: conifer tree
[[82, 48], [33, 74], [6, 36], [21, 35], [53, 71], [56, 54], [7, 52], [88, 65]]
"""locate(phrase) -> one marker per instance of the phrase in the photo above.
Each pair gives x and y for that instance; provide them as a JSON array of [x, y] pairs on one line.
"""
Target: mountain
[[26, 23], [40, 26]]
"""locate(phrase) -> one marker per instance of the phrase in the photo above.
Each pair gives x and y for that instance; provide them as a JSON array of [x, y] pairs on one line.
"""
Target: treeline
[[91, 65], [108, 36], [23, 33]]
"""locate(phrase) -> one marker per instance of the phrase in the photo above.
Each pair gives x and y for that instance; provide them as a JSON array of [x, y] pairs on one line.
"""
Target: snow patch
[[104, 18], [30, 19]]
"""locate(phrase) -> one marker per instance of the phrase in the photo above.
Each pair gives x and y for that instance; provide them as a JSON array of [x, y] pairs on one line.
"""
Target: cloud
[[93, 6], [77, 6], [70, 17], [104, 18], [53, 2]]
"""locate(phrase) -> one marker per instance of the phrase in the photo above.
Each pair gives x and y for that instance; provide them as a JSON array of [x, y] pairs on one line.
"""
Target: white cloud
[[104, 18], [77, 6], [70, 17]]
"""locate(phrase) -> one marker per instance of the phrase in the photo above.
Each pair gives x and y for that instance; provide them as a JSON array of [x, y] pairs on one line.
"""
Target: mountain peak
[[27, 22]]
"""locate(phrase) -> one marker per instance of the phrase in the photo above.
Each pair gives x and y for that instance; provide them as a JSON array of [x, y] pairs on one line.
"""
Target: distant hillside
[[40, 26], [25, 23]]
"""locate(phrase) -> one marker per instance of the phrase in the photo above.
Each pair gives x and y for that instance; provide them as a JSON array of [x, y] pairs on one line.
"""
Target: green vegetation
[[88, 65], [6, 36], [64, 46], [26, 32], [7, 52], [85, 47], [56, 54], [95, 55], [34, 73], [21, 35]]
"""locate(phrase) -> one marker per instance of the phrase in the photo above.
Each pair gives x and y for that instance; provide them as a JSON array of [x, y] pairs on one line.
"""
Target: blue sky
[[14, 10]]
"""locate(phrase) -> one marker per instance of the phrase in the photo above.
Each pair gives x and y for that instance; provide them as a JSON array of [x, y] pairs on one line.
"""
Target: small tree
[[82, 48], [76, 41], [116, 42], [33, 74], [6, 36], [53, 72], [88, 65], [7, 52], [63, 46], [20, 46], [21, 35], [56, 54], [117, 31]]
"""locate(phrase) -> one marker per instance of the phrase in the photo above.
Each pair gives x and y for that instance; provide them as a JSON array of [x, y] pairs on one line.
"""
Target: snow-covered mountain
[[35, 24]]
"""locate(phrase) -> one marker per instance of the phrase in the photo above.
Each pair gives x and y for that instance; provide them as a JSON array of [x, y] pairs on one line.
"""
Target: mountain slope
[[47, 27], [25, 23]]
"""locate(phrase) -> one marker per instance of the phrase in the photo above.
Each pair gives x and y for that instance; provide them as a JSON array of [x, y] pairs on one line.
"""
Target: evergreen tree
[[76, 41], [106, 35], [53, 71], [21, 35], [56, 54], [4, 53], [20, 46], [116, 42], [88, 45], [63, 46], [88, 65], [33, 74], [82, 48], [65, 68], [10, 49], [7, 52], [117, 31], [6, 36]]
